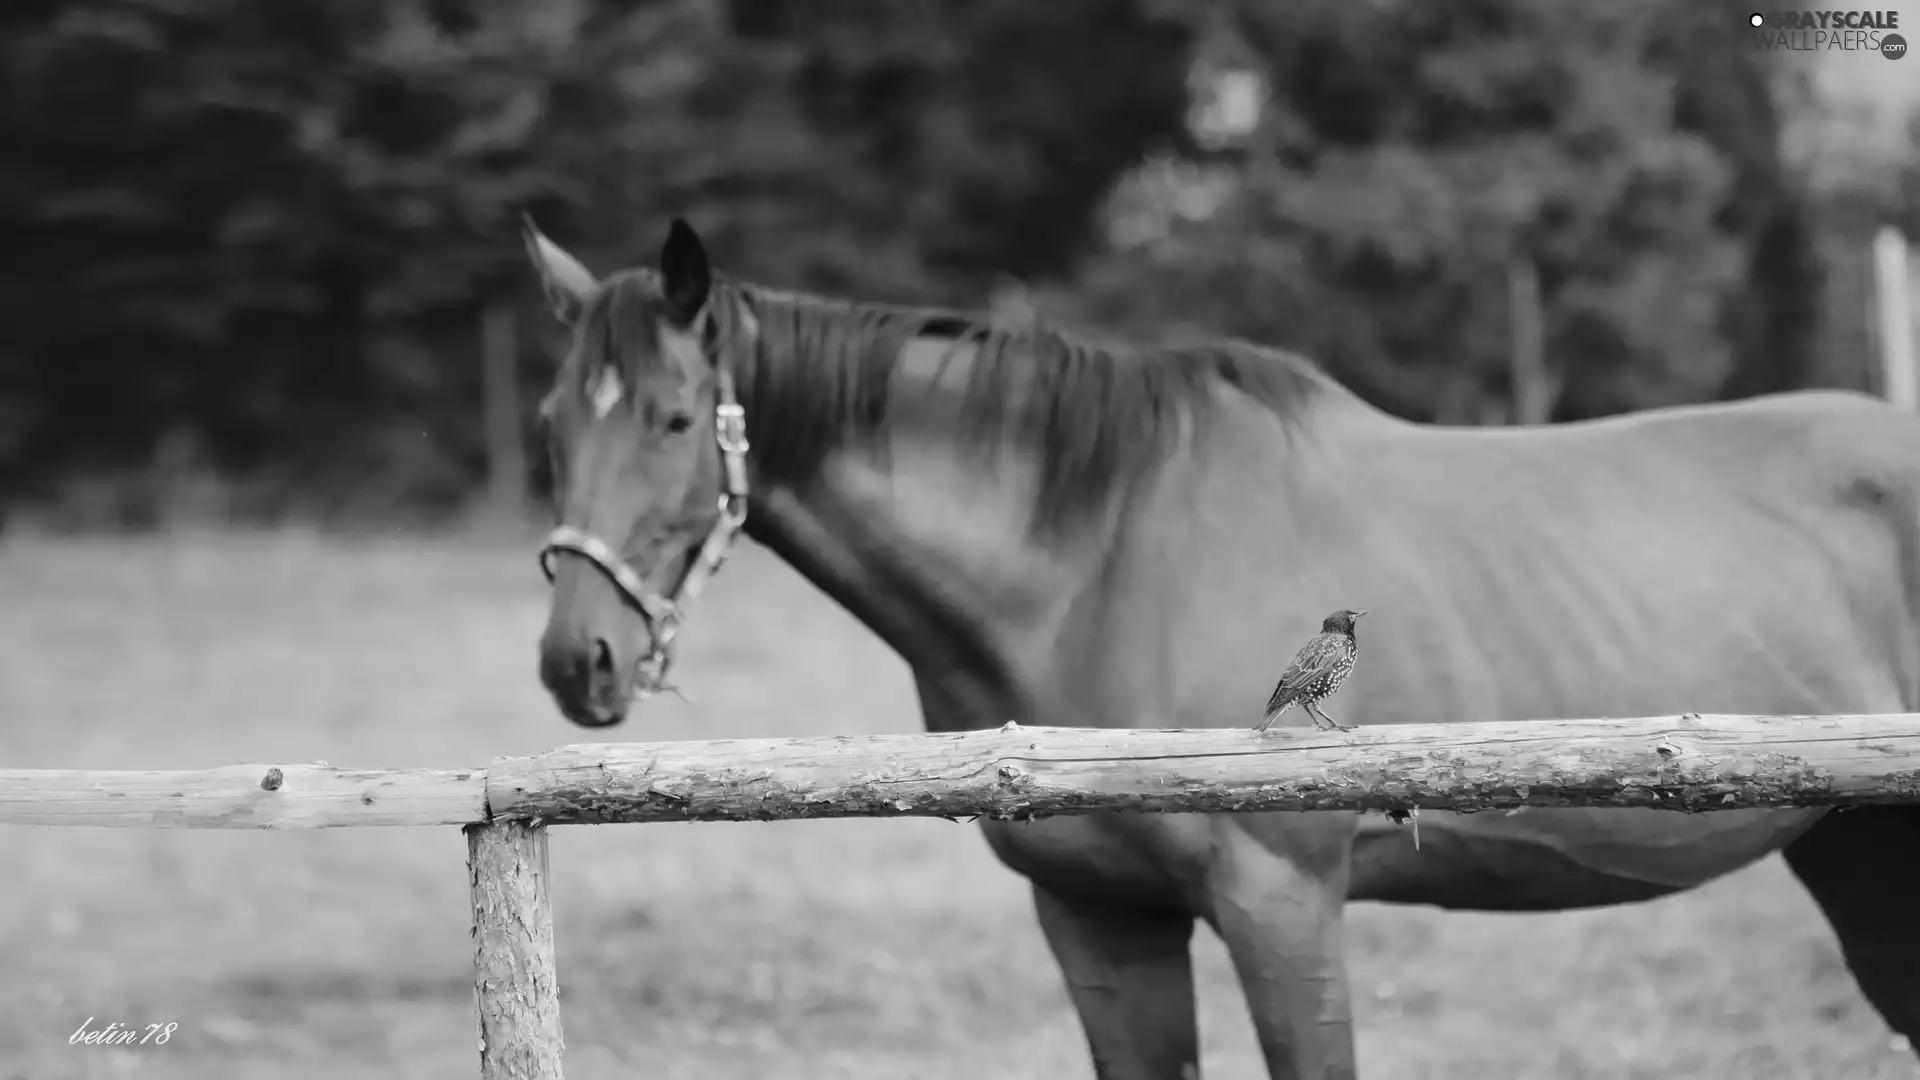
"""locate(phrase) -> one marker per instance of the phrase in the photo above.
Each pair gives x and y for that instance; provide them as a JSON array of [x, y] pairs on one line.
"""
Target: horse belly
[[1550, 859], [1132, 859]]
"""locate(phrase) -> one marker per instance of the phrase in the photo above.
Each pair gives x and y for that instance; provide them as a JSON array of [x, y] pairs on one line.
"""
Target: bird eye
[[678, 423]]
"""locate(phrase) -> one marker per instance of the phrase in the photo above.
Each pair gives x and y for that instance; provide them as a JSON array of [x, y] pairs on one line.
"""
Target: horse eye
[[678, 423]]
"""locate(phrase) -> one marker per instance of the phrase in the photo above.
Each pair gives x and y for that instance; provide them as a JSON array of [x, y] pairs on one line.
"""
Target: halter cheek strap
[[663, 613]]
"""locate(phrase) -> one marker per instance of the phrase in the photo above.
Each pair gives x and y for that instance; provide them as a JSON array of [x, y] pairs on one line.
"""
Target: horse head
[[649, 450]]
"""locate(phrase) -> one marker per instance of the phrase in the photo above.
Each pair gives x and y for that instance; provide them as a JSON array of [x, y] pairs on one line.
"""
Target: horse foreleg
[[1276, 896], [1863, 868], [1130, 974]]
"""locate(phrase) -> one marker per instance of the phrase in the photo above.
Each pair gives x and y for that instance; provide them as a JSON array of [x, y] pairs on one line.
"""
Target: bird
[[1317, 672]]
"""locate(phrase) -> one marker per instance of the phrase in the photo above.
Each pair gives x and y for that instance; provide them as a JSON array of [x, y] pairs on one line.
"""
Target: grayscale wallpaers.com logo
[[1848, 31]]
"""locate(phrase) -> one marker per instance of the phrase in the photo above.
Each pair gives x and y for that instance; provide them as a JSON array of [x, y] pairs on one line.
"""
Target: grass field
[[871, 950]]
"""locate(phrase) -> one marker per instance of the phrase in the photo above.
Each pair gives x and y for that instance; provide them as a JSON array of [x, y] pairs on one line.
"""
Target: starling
[[1317, 673]]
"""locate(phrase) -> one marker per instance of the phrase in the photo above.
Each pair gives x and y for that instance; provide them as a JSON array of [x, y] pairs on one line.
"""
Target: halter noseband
[[664, 614]]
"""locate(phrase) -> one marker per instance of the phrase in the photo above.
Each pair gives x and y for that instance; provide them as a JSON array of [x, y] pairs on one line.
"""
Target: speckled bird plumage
[[1322, 666]]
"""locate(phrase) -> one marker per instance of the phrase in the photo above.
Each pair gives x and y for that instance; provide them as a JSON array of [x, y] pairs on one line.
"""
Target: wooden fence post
[[1893, 303], [500, 387], [1531, 383], [516, 985]]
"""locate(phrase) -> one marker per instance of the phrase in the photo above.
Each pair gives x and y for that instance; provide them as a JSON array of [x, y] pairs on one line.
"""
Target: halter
[[664, 614]]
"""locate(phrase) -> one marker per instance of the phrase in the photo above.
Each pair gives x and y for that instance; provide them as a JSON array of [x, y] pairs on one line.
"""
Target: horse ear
[[685, 276], [566, 282]]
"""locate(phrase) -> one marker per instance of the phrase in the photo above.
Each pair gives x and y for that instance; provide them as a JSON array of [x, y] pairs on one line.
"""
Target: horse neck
[[967, 676], [937, 556]]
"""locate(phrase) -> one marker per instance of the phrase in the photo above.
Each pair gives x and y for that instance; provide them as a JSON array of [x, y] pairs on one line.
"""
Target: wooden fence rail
[[1683, 763]]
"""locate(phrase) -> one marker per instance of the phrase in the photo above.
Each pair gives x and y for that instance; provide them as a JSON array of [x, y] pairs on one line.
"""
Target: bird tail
[[1282, 699], [1274, 708]]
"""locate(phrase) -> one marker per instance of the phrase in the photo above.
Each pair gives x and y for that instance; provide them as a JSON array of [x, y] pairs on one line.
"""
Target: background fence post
[[516, 985], [1531, 383], [1892, 300], [500, 386]]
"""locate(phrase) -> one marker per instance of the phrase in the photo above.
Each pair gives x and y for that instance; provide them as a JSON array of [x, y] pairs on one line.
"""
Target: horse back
[[1760, 556]]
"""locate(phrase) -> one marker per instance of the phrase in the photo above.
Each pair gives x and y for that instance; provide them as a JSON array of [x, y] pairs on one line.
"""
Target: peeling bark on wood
[[516, 986], [1688, 763], [1681, 763], [243, 797]]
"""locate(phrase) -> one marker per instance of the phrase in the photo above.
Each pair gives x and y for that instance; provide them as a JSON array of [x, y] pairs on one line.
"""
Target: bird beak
[[1357, 614]]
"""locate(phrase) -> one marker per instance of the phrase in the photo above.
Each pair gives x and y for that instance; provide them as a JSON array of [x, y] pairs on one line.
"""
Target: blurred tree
[[270, 226], [1726, 95], [1407, 156], [250, 218], [255, 237], [967, 137]]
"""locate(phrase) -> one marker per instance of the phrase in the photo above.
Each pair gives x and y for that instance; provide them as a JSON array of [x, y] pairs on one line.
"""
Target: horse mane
[[1098, 416]]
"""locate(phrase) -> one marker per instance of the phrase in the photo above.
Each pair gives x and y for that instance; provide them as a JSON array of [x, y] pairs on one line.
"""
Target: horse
[[1053, 528]]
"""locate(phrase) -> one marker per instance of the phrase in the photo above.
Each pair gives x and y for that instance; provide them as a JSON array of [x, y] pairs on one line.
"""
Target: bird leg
[[1322, 720]]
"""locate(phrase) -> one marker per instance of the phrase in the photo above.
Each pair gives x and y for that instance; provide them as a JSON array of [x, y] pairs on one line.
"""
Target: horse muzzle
[[589, 676]]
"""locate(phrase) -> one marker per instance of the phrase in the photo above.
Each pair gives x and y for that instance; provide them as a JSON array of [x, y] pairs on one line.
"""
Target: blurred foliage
[[1411, 151], [252, 240]]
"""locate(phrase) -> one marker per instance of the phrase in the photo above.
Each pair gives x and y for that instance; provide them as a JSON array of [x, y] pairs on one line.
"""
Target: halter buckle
[[730, 428]]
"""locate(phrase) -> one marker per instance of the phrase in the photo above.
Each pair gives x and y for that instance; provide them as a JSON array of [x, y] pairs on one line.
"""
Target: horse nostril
[[602, 657]]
